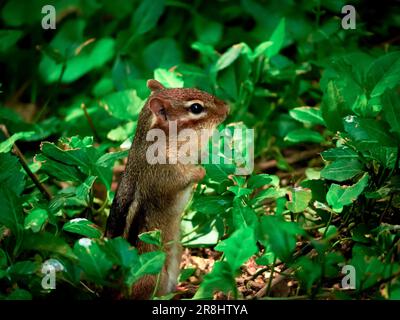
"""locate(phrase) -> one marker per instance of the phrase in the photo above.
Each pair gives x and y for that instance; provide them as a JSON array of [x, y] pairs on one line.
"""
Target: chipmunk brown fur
[[153, 196]]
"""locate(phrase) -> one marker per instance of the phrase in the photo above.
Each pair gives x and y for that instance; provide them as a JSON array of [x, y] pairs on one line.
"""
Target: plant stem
[[42, 188], [91, 125], [271, 277]]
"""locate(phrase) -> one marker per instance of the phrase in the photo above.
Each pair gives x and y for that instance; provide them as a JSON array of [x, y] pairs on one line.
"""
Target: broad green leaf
[[47, 242], [332, 107], [80, 55], [229, 57], [8, 39], [207, 31], [269, 193], [108, 159], [304, 135], [391, 109], [11, 211], [280, 235], [168, 78], [121, 252], [260, 180], [82, 191], [214, 205], [146, 16], [339, 196], [342, 169], [261, 49], [149, 263], [385, 72], [3, 259], [219, 172], [22, 268], [92, 260], [239, 247], [186, 274], [124, 105], [11, 176], [151, 237], [340, 153], [36, 219], [307, 115], [221, 278], [277, 38], [243, 215], [19, 294], [368, 131], [163, 53], [83, 227], [299, 199]]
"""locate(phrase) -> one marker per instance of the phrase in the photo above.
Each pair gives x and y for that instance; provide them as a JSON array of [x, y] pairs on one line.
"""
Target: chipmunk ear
[[159, 108], [154, 85]]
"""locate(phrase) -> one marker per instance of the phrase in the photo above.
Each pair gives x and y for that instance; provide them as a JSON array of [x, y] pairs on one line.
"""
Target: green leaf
[[8, 38], [11, 211], [124, 105], [280, 235], [368, 131], [169, 79], [391, 110], [207, 31], [83, 227], [80, 56], [186, 274], [341, 170], [3, 259], [385, 72], [304, 135], [121, 252], [19, 294], [146, 16], [149, 263], [307, 115], [108, 159], [243, 215], [277, 39], [92, 260], [259, 180], [220, 278], [151, 237], [239, 247], [214, 205], [228, 57], [11, 176], [340, 196], [299, 200], [36, 219], [82, 191], [340, 153], [22, 268], [163, 53], [47, 242], [219, 172], [332, 107]]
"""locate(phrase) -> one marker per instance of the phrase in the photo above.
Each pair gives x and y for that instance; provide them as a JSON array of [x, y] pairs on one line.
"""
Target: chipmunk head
[[190, 108]]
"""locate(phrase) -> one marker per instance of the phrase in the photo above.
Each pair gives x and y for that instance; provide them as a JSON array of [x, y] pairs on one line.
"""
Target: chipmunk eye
[[196, 108]]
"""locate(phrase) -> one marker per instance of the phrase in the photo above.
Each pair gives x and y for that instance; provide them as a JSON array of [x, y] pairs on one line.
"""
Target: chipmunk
[[153, 196]]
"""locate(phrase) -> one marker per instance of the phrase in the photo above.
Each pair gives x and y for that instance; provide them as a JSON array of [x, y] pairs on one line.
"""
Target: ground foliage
[[324, 103]]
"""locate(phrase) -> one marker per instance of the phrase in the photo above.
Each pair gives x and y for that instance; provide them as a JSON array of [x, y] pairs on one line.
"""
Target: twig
[[43, 189], [300, 156], [89, 119]]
